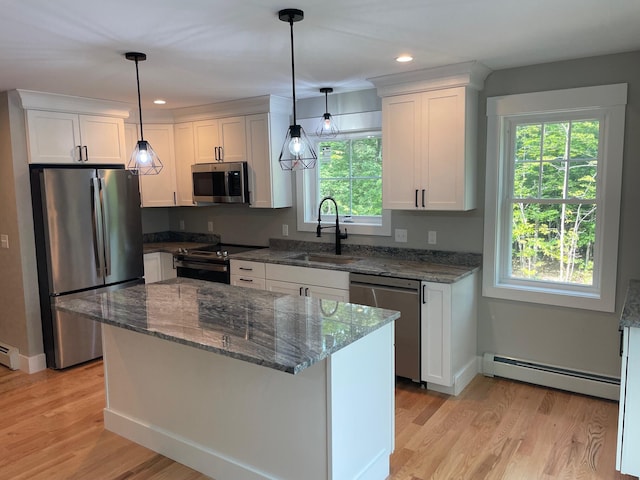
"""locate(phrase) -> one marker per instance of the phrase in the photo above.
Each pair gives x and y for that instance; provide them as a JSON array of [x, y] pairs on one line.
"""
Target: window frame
[[606, 103], [307, 198]]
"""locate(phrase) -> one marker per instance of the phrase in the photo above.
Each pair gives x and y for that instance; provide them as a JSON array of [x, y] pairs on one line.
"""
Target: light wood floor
[[51, 428]]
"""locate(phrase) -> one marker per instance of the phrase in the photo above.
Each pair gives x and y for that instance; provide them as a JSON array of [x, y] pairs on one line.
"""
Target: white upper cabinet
[[429, 124], [269, 185], [185, 158], [64, 129], [58, 137], [220, 140], [156, 190]]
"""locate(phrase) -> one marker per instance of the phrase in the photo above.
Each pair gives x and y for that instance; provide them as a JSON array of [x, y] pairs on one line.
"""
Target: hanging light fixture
[[297, 151], [327, 127], [144, 159]]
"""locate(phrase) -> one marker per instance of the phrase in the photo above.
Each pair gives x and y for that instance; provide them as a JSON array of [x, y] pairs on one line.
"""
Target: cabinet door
[[185, 157], [152, 267], [53, 137], [442, 162], [166, 265], [284, 287], [629, 439], [249, 282], [327, 293], [400, 152], [436, 333], [159, 190], [269, 185], [233, 139], [103, 138], [206, 140]]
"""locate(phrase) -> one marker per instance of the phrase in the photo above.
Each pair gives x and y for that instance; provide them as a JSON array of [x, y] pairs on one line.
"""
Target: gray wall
[[566, 337]]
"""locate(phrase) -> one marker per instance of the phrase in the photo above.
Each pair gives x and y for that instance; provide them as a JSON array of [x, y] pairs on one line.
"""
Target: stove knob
[[225, 254], [218, 253]]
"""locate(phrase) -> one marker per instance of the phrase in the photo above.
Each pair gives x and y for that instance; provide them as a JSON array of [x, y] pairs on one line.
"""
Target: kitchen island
[[244, 384]]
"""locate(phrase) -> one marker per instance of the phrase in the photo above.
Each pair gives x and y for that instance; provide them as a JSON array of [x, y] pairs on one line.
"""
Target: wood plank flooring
[[51, 428]]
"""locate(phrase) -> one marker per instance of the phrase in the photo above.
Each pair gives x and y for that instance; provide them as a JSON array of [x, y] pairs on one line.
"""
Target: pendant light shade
[[144, 159], [327, 127], [297, 151]]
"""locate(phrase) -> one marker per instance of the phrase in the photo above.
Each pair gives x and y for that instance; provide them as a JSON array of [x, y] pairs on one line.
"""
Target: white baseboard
[[577, 381], [33, 364], [460, 380]]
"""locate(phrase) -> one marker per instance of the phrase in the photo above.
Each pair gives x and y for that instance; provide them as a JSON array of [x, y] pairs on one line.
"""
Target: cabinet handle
[[424, 294], [86, 153], [306, 292], [79, 147], [215, 153], [246, 269], [221, 152], [416, 198], [301, 291], [175, 201], [248, 280], [423, 190]]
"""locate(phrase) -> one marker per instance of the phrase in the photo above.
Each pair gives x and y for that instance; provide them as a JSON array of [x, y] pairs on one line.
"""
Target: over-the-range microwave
[[220, 182]]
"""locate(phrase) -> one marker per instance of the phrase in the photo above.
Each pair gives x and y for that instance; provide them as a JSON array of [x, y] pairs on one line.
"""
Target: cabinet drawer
[[247, 281], [248, 269]]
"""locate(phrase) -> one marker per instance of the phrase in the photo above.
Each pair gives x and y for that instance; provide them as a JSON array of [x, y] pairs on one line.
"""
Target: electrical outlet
[[4, 241], [181, 224], [285, 230], [210, 226], [401, 235], [432, 237]]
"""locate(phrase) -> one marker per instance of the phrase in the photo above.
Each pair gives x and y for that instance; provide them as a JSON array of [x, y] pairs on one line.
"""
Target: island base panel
[[230, 419]]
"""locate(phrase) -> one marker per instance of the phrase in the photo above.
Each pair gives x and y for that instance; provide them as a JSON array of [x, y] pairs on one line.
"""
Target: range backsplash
[[170, 236]]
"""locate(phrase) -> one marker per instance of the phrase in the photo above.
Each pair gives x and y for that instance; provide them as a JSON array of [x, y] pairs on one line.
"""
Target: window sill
[[382, 230]]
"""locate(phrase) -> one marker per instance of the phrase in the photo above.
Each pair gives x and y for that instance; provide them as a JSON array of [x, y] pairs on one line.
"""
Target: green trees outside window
[[554, 201], [350, 171]]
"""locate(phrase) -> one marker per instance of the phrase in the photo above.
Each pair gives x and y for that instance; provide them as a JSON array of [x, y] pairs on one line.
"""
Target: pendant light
[[144, 159], [327, 127], [297, 151]]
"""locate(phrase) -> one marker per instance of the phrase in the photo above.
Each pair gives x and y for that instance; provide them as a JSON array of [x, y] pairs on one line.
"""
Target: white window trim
[[610, 103], [352, 125]]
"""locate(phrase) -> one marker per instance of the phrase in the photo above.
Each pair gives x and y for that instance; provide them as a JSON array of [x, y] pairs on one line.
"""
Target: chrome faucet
[[339, 235]]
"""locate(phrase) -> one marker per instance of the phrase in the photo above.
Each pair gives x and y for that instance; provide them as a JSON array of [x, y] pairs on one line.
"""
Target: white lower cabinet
[[248, 274], [308, 282], [158, 266], [627, 459], [448, 334]]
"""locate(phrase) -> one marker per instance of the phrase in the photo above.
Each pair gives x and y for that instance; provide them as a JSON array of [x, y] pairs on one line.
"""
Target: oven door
[[212, 272]]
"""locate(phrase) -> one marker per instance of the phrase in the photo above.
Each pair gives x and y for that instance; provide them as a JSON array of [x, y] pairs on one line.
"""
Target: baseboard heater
[[551, 376], [9, 356]]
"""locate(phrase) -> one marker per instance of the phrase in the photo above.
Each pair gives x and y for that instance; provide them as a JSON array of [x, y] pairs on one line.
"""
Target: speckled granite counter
[[172, 247], [630, 316], [282, 332], [394, 264]]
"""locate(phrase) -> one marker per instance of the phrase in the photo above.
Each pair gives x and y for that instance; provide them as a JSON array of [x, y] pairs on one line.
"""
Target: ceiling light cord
[[293, 71], [139, 101]]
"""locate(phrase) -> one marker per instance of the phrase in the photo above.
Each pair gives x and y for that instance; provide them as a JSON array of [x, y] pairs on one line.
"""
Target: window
[[554, 163], [349, 169]]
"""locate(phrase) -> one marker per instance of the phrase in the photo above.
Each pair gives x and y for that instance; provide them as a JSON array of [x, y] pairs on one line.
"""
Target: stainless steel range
[[211, 265]]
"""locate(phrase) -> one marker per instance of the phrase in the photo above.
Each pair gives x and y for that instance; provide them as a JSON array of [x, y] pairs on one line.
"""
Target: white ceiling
[[207, 51]]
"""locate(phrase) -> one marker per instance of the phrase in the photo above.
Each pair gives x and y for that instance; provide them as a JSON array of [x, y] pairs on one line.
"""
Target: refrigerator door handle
[[96, 216], [105, 235]]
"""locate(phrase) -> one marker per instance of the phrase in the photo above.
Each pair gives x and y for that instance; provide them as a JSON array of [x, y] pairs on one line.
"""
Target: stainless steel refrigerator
[[88, 235]]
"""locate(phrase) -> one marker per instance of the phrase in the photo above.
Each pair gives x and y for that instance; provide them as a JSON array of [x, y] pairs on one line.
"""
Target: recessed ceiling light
[[404, 58], [159, 101]]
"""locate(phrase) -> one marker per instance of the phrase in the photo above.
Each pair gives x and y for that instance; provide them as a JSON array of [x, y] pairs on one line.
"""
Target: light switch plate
[[432, 238], [181, 224], [210, 226], [285, 230], [4, 241]]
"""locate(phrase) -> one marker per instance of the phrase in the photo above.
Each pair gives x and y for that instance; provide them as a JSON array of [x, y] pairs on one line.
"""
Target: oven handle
[[212, 267]]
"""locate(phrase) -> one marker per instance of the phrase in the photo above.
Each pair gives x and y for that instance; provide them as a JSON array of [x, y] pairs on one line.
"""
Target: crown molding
[[466, 74], [54, 102], [244, 106]]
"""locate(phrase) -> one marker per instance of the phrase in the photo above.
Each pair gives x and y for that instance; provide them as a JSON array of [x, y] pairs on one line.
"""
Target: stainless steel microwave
[[220, 182]]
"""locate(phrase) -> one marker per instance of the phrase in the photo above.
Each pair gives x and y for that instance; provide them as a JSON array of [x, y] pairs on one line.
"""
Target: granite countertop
[[172, 247], [630, 316], [286, 333], [393, 265]]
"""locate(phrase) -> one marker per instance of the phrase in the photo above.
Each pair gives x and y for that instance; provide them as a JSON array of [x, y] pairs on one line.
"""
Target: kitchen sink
[[324, 258]]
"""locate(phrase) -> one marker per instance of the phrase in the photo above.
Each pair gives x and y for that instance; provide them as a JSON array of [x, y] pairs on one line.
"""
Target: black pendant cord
[[326, 102], [293, 73], [139, 102]]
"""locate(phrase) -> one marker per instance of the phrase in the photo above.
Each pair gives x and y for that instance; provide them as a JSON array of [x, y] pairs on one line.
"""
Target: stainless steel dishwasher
[[394, 294]]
